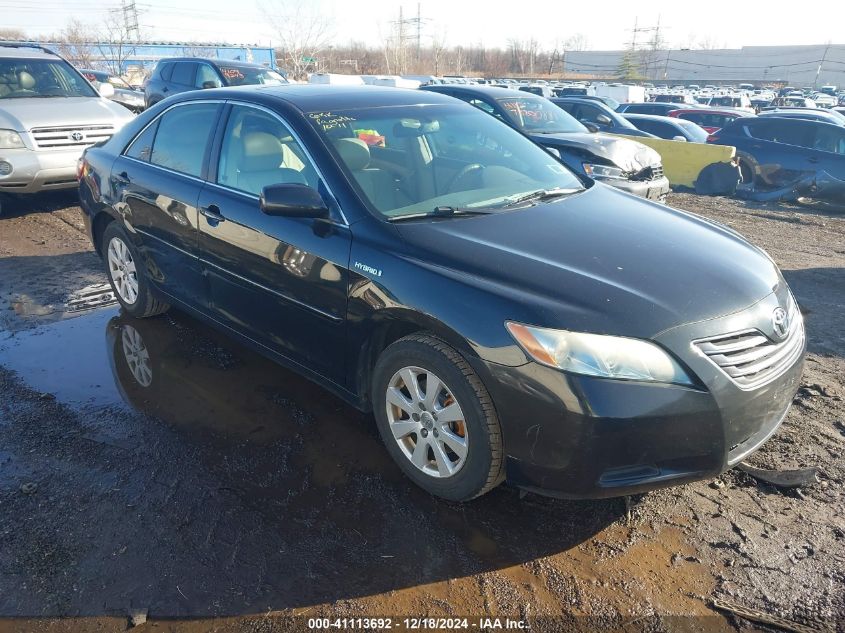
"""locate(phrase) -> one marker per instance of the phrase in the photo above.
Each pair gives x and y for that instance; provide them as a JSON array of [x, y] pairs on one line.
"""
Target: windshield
[[539, 116], [695, 132], [412, 160], [33, 78], [247, 76]]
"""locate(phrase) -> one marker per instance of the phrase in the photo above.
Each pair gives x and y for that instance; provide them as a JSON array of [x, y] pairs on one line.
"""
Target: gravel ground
[[222, 486]]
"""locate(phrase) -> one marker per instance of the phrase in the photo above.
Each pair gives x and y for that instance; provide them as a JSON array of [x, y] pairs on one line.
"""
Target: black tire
[[145, 304], [483, 468]]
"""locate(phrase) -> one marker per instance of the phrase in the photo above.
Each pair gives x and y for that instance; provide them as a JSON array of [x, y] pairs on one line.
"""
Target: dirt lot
[[218, 485]]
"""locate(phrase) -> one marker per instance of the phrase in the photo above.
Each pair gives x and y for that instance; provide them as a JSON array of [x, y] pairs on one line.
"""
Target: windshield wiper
[[442, 212], [540, 195]]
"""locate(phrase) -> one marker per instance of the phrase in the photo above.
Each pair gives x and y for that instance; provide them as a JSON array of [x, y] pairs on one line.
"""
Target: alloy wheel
[[137, 356], [122, 270], [427, 422]]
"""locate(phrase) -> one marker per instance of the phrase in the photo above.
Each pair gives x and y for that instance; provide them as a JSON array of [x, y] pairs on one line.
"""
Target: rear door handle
[[212, 214], [122, 178], [812, 159]]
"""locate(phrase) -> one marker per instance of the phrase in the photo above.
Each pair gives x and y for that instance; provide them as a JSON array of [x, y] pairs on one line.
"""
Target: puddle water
[[67, 359], [204, 454]]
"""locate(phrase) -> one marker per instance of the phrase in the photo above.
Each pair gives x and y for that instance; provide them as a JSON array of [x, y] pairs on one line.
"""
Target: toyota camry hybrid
[[503, 317]]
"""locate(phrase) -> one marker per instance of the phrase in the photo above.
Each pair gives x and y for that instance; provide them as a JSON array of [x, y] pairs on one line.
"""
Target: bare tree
[[10, 34], [115, 41], [74, 44], [302, 33], [577, 42]]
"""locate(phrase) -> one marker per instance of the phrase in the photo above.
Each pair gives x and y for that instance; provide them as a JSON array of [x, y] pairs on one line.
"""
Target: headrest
[[261, 151], [354, 152], [25, 80]]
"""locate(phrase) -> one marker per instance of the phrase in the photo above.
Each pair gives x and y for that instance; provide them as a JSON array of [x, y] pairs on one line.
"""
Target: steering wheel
[[463, 173]]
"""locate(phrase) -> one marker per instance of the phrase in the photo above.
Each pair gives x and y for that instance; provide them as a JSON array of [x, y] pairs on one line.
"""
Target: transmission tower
[[130, 19]]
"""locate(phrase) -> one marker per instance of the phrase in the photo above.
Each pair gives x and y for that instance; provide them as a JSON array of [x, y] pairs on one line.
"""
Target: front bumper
[[651, 189], [582, 437], [34, 171]]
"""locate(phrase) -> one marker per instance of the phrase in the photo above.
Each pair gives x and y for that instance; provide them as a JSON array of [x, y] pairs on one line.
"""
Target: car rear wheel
[[437, 419], [126, 276]]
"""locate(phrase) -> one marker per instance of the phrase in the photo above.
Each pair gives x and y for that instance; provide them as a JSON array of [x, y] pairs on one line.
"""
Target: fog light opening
[[5, 168]]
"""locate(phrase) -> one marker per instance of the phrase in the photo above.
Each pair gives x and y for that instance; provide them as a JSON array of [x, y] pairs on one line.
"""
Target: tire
[[126, 274], [428, 449]]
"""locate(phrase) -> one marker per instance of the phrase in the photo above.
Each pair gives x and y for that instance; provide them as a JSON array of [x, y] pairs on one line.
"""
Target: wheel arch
[[388, 327], [98, 227]]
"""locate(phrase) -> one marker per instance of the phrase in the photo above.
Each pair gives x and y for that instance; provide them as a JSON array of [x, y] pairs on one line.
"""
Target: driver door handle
[[212, 214]]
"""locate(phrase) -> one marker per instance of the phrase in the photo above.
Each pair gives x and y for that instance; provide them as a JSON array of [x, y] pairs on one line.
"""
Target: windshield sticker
[[329, 120], [232, 73]]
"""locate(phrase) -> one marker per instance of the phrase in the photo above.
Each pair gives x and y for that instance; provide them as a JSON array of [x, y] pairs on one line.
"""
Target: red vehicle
[[710, 119]]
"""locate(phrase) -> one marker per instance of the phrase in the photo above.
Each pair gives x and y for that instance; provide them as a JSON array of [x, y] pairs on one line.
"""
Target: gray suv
[[181, 74], [49, 113]]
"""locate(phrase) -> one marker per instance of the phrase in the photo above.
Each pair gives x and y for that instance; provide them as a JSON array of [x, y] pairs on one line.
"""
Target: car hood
[[598, 261], [628, 155], [22, 115]]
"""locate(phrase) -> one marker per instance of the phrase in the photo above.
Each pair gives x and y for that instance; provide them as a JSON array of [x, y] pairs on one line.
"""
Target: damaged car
[[616, 161], [787, 158]]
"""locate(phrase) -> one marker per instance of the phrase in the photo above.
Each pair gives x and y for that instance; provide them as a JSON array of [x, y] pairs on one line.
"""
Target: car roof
[[491, 91], [212, 60], [26, 50], [653, 117], [731, 111], [324, 97]]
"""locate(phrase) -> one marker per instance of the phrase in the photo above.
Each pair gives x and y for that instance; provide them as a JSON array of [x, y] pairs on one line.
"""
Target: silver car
[[49, 114]]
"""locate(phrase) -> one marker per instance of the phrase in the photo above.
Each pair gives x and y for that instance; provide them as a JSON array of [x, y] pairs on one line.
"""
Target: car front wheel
[[437, 419], [126, 276]]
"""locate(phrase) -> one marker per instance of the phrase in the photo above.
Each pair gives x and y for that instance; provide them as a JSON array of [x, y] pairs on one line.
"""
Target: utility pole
[[821, 63], [130, 19]]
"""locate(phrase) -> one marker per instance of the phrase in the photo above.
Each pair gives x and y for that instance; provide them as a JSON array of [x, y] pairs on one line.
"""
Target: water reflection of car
[[181, 74], [619, 162], [124, 94], [501, 316]]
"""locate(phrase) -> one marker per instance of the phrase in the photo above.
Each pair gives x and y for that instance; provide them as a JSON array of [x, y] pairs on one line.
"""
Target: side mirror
[[292, 201], [603, 119], [679, 138], [592, 127], [206, 85], [106, 90], [554, 151]]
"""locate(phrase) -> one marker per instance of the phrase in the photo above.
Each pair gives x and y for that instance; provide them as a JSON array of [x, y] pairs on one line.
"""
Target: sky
[[605, 25]]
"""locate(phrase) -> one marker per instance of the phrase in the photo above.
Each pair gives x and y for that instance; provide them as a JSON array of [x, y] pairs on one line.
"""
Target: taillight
[[712, 138], [80, 168]]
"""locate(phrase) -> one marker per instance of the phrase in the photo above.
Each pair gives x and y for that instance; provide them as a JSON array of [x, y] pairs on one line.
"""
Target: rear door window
[[829, 139], [142, 147], [183, 73], [182, 138]]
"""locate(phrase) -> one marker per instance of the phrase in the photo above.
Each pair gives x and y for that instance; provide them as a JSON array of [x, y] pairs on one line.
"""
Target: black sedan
[[620, 162], [501, 316], [599, 116]]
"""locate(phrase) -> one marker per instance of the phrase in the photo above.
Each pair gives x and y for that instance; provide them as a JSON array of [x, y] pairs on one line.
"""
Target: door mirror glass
[[293, 200]]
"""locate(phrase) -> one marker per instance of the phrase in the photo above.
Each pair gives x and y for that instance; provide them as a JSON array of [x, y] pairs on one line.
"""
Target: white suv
[[49, 113]]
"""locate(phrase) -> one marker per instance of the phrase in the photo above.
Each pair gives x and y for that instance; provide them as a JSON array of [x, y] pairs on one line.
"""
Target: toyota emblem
[[780, 323], [77, 136]]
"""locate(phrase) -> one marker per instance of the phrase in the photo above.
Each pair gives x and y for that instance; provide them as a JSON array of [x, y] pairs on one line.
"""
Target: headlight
[[598, 355], [603, 171], [9, 139]]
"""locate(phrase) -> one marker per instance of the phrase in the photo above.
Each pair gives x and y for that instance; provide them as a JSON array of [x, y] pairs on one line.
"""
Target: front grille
[[652, 172], [51, 137], [750, 358]]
